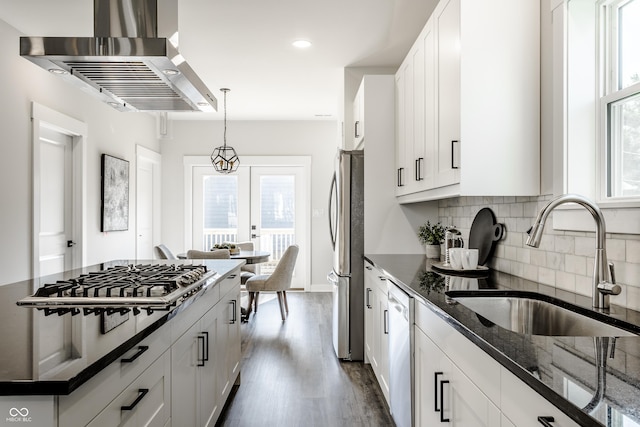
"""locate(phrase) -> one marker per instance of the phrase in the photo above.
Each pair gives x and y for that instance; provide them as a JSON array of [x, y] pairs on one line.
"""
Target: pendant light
[[224, 158]]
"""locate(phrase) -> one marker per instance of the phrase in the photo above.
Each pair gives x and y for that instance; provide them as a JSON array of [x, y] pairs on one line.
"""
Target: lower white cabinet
[[377, 325], [205, 362], [444, 394], [455, 380], [145, 402]]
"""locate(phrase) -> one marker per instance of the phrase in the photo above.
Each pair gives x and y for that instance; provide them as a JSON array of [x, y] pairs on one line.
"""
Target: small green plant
[[431, 234]]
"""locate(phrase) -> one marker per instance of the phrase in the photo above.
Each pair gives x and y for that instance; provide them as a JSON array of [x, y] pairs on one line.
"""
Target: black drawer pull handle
[[141, 349], [234, 318], [232, 276], [442, 418], [386, 322], [546, 421], [435, 390], [204, 358], [455, 144], [142, 392], [367, 299]]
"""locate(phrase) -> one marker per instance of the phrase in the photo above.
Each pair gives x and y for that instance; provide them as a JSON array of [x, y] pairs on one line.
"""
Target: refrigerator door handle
[[333, 190]]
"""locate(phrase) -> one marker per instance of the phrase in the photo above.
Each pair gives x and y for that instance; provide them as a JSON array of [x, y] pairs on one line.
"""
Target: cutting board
[[484, 234]]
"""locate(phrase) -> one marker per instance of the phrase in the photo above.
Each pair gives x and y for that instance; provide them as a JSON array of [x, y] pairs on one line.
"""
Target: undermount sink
[[535, 314]]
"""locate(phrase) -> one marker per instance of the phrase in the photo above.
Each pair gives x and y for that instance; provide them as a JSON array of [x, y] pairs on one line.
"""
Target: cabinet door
[[515, 392], [430, 122], [447, 24], [184, 377], [443, 393], [369, 306], [207, 368], [358, 116], [382, 349], [401, 133], [430, 369], [229, 341]]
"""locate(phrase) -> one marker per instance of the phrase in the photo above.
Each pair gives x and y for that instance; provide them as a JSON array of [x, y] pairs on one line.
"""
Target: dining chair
[[278, 281], [164, 252], [247, 270], [214, 254]]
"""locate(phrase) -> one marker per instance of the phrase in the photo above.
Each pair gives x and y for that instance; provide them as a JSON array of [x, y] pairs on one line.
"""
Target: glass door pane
[[278, 216], [220, 216]]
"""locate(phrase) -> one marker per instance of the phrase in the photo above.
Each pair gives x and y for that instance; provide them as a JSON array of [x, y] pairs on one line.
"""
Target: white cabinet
[[205, 360], [443, 393], [145, 402], [377, 326], [228, 352], [467, 106], [358, 116], [455, 379], [515, 392]]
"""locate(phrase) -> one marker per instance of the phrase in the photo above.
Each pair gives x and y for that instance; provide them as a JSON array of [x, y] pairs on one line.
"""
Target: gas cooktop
[[121, 288]]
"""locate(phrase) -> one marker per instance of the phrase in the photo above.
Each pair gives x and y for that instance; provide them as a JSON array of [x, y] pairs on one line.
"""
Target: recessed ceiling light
[[301, 44]]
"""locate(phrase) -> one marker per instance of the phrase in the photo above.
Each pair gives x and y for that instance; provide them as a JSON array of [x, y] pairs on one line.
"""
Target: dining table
[[250, 257]]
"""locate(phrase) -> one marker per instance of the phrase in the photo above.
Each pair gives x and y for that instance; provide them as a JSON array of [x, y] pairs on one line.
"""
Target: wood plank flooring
[[290, 375]]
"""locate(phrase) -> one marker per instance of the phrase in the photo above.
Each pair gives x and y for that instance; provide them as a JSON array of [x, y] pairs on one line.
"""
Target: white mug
[[469, 259], [455, 258]]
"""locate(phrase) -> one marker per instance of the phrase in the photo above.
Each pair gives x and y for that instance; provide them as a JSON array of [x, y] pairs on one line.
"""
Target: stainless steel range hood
[[126, 64]]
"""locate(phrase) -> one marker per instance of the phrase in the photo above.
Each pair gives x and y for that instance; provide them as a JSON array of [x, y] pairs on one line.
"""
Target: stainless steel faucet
[[604, 281]]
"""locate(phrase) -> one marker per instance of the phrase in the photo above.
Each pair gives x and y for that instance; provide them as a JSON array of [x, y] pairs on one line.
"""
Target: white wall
[[109, 131], [253, 138]]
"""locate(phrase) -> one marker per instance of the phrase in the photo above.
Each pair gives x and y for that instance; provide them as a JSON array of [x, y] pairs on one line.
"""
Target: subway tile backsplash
[[563, 260]]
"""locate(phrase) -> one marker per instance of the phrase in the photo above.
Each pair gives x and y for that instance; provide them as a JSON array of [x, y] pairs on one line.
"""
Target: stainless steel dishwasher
[[401, 384]]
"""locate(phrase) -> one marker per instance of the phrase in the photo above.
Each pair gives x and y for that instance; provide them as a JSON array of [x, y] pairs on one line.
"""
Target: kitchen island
[[561, 369], [105, 367]]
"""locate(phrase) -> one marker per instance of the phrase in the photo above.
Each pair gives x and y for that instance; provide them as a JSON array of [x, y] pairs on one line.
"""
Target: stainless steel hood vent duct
[[126, 64]]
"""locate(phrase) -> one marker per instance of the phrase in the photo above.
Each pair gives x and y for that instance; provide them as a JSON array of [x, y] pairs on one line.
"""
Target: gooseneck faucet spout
[[603, 272]]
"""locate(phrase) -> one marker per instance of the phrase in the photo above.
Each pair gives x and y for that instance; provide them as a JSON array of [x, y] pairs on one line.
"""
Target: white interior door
[[147, 202], [56, 198]]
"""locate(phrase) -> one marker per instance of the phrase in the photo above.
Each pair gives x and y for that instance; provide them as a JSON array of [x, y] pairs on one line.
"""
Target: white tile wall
[[563, 260]]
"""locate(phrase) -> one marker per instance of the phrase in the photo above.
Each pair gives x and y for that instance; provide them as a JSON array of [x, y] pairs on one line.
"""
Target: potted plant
[[431, 235]]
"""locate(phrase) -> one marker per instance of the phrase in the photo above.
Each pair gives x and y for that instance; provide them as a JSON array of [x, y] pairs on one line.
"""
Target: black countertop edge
[[560, 402], [62, 387]]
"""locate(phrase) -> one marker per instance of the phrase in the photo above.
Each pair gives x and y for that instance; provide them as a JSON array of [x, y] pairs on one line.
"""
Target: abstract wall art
[[115, 194]]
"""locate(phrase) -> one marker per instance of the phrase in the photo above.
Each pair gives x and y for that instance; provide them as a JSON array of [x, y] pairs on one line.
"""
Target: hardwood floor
[[290, 375]]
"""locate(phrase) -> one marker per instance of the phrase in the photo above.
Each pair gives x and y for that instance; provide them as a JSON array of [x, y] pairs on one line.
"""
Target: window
[[620, 96]]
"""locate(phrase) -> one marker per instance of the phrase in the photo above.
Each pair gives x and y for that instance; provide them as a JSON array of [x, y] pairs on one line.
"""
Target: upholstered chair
[[247, 270], [278, 281], [163, 252], [215, 254]]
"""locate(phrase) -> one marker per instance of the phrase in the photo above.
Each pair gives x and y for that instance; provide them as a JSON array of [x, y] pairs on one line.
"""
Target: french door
[[267, 205]]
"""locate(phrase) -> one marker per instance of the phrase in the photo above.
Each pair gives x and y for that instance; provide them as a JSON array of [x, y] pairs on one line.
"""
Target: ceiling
[[245, 45]]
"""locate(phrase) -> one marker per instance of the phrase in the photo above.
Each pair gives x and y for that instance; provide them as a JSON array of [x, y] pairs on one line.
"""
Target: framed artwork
[[115, 194]]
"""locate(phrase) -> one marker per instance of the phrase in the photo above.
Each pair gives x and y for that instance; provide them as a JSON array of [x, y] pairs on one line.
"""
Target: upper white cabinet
[[468, 101], [358, 116]]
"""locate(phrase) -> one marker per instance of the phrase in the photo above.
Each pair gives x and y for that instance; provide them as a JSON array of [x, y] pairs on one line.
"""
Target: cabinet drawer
[[83, 404], [481, 368], [146, 402], [229, 282]]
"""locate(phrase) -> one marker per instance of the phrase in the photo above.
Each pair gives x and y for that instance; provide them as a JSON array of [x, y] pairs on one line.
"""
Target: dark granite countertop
[[560, 368], [54, 355]]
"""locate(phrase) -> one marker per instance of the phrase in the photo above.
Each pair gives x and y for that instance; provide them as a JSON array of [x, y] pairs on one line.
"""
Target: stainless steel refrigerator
[[346, 225]]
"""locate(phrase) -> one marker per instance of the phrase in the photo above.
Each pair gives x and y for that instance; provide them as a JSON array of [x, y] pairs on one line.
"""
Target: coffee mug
[[469, 259], [455, 258]]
